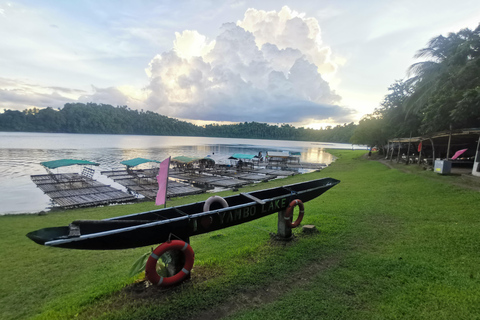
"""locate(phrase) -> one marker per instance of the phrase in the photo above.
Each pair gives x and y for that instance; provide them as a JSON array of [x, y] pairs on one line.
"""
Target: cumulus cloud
[[116, 96], [20, 95], [269, 67]]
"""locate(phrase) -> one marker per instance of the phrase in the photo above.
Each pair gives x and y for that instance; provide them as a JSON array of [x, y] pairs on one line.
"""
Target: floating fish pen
[[306, 165], [71, 190], [275, 172], [144, 181], [252, 176], [209, 180], [137, 182]]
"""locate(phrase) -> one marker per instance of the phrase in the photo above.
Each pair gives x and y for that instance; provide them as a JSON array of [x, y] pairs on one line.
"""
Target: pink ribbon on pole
[[162, 180]]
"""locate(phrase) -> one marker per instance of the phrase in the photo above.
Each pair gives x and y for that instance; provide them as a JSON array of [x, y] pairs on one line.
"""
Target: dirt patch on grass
[[257, 298], [142, 293]]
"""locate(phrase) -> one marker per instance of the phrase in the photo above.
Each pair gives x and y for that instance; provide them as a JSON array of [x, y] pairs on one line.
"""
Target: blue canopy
[[137, 161]]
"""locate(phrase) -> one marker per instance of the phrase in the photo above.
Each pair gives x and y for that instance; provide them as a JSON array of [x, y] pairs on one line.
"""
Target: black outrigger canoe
[[157, 226]]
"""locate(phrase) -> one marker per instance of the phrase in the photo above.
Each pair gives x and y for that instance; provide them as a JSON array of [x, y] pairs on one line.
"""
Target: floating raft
[[251, 176], [306, 165], [144, 182], [210, 181], [283, 173], [70, 190]]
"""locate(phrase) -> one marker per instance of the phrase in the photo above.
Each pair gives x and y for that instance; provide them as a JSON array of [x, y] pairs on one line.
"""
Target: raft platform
[[70, 190], [209, 181], [144, 182], [303, 165]]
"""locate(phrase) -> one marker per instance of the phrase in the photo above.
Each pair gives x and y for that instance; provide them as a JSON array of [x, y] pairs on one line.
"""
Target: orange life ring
[[208, 203], [151, 266], [289, 213]]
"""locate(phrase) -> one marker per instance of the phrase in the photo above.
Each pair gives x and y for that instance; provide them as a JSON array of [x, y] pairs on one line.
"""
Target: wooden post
[[283, 231], [449, 140], [398, 154], [177, 262], [420, 153], [433, 152], [408, 149]]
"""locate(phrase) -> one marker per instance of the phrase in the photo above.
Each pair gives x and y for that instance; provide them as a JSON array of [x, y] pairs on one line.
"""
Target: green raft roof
[[183, 159], [137, 161], [242, 156], [66, 162]]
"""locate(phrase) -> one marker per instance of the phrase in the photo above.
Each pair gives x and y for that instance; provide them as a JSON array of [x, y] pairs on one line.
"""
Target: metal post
[[476, 164], [283, 231]]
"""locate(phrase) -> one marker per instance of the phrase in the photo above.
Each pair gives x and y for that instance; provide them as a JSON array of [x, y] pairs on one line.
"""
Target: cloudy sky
[[293, 61]]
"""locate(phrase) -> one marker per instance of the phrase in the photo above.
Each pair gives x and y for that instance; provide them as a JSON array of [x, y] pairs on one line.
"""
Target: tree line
[[440, 93], [106, 119]]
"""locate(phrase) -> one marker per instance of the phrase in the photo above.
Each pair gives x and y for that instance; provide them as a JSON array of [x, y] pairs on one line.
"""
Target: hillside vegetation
[[107, 119]]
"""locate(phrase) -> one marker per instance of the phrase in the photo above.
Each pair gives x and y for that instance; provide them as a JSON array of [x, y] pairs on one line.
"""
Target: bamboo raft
[[70, 190], [144, 182]]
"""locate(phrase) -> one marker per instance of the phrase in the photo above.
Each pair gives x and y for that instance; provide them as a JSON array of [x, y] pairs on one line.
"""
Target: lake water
[[21, 154]]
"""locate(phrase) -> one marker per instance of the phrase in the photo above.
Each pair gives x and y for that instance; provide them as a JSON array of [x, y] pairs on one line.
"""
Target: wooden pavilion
[[439, 146]]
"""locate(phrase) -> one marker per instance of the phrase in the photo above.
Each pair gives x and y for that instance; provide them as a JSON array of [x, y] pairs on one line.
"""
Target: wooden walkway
[[144, 182], [72, 190]]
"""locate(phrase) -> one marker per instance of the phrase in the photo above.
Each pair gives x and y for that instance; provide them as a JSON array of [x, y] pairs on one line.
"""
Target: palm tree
[[450, 62]]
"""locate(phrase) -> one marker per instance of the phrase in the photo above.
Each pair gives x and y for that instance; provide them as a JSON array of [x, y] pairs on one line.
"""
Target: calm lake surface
[[21, 154]]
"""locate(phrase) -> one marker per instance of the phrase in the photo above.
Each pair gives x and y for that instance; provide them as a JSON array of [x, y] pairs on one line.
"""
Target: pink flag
[[162, 179], [458, 153]]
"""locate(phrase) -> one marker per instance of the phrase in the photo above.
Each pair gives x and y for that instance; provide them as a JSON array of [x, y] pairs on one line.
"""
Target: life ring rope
[[289, 213], [151, 266]]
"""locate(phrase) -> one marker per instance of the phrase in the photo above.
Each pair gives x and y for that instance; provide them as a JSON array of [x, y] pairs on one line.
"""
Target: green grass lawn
[[391, 245]]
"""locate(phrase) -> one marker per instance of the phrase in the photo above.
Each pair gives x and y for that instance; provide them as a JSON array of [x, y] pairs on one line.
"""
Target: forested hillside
[[107, 119]]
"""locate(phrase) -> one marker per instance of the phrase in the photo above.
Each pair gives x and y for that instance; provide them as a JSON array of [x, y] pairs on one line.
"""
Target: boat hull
[[157, 226]]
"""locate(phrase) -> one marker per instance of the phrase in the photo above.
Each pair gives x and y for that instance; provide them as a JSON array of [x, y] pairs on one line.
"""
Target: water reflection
[[21, 154]]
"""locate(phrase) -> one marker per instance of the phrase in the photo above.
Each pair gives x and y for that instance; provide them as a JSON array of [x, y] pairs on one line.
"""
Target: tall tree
[[444, 87]]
